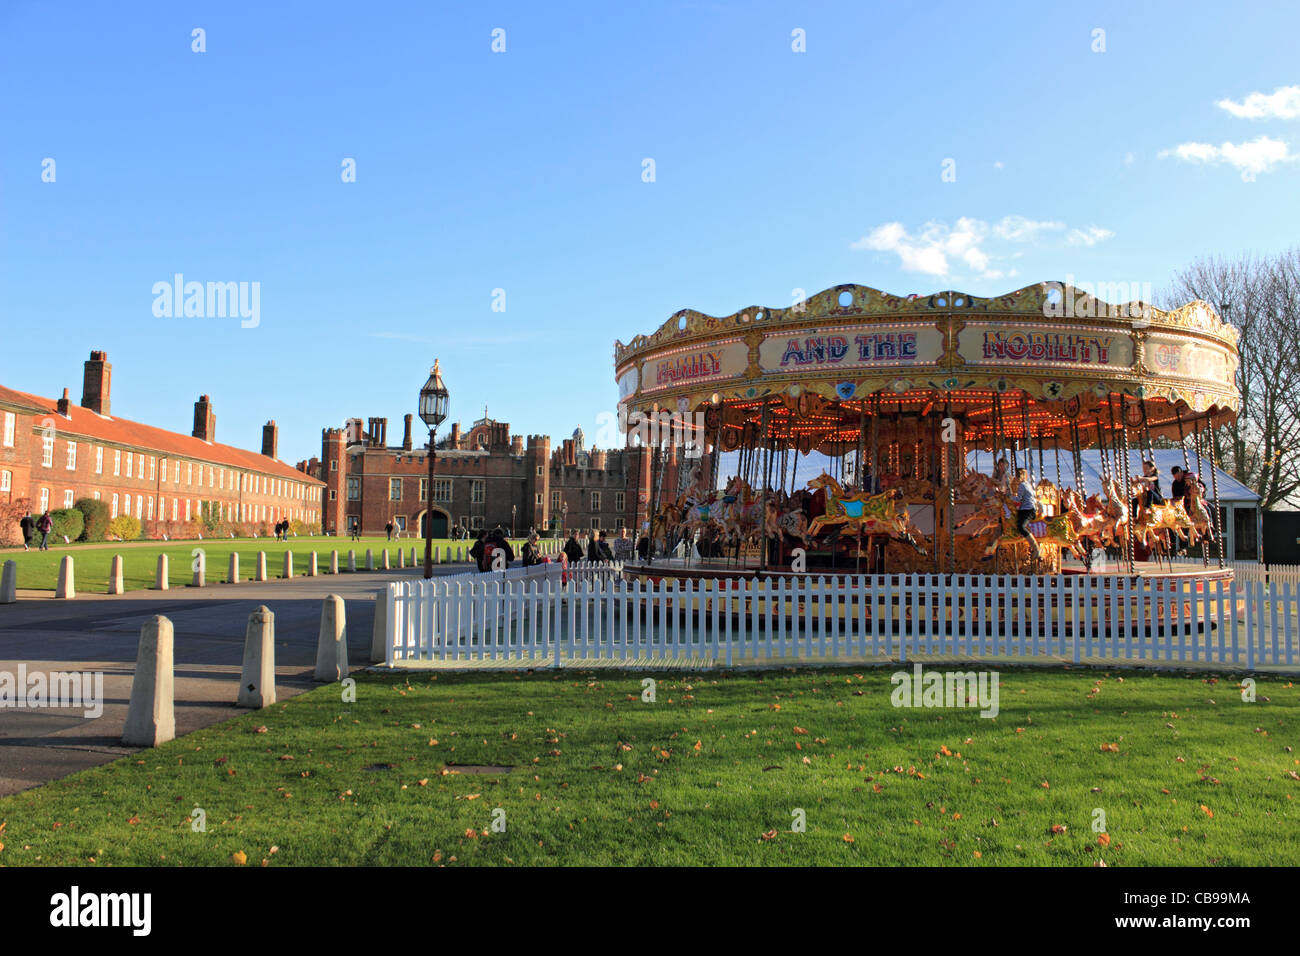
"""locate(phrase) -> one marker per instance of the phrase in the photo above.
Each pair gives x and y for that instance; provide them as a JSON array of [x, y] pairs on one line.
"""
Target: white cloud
[[939, 247], [1282, 103], [1087, 237], [1258, 156], [998, 164]]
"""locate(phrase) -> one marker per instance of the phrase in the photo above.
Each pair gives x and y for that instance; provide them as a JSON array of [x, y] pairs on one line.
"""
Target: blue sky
[[522, 171]]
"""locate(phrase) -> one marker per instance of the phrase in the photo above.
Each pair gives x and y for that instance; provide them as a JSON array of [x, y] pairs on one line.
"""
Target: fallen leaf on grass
[[239, 857]]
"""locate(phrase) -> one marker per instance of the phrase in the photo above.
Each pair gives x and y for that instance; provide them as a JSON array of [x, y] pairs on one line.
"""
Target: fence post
[[379, 633], [116, 574], [9, 583], [257, 676], [151, 713], [332, 642]]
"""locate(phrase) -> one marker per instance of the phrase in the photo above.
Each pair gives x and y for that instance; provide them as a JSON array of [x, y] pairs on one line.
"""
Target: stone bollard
[[379, 636], [332, 644], [151, 714], [352, 560], [312, 570], [412, 555], [160, 577], [9, 583], [232, 569], [384, 560], [257, 678], [115, 576], [334, 562], [401, 558], [200, 568], [260, 573], [67, 586], [370, 560], [288, 564]]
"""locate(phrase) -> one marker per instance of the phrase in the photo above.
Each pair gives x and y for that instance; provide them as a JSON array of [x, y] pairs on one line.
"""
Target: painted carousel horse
[[1090, 518], [1153, 521], [860, 513], [1198, 513]]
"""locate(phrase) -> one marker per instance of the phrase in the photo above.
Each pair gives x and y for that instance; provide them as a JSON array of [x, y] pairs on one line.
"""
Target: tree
[[1260, 296]]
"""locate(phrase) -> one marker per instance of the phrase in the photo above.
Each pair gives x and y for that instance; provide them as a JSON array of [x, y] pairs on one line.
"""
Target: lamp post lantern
[[433, 412]]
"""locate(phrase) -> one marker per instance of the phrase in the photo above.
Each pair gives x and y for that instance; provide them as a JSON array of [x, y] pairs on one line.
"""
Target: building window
[[334, 495], [99, 459], [162, 508], [6, 480], [126, 505], [619, 524], [555, 501], [67, 498], [334, 464], [177, 479], [619, 500], [189, 473], [539, 471], [129, 458], [47, 451], [174, 508], [595, 501], [442, 489], [538, 502], [400, 521], [354, 489], [153, 467], [72, 456], [9, 429], [112, 513], [117, 462], [150, 509], [595, 524], [139, 506], [476, 491], [476, 523], [394, 489], [187, 509]]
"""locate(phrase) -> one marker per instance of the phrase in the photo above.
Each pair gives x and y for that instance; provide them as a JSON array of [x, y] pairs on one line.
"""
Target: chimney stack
[[97, 383], [270, 438], [205, 423], [64, 404], [406, 433]]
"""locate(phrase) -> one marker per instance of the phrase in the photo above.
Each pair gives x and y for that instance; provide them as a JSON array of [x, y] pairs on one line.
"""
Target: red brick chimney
[[97, 383], [270, 438], [406, 433], [205, 423]]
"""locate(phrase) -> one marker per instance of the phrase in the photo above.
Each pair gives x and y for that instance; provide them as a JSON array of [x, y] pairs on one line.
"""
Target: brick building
[[53, 453], [483, 478]]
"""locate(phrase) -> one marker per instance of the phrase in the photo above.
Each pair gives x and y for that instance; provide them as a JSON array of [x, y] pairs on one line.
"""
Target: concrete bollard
[[412, 555], [334, 562], [116, 584], [384, 560], [260, 573], [257, 678], [379, 636], [312, 570], [9, 583], [401, 558], [151, 714], [288, 564], [370, 560], [352, 560], [161, 578], [232, 569], [67, 586], [200, 569], [332, 644]]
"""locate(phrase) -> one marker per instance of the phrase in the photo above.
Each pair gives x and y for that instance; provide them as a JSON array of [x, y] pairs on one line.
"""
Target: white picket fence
[[1248, 622]]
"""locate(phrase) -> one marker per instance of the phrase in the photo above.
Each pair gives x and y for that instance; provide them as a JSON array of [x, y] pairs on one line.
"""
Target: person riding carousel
[[1151, 495], [1026, 509]]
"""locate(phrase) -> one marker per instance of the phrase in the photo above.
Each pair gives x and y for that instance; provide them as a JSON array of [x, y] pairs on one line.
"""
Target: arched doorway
[[441, 522]]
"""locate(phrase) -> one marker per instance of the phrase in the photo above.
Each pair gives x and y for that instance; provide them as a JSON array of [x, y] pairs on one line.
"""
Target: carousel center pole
[[1214, 481]]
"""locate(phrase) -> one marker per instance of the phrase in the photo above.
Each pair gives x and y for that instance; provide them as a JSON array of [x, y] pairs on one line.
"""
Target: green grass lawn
[[711, 773], [39, 570]]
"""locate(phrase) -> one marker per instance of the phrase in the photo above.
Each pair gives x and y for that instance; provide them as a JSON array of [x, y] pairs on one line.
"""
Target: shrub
[[10, 514], [68, 522], [94, 515], [124, 528]]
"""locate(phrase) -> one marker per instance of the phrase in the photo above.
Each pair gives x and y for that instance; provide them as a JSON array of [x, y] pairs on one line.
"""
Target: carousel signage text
[[1048, 347], [833, 349]]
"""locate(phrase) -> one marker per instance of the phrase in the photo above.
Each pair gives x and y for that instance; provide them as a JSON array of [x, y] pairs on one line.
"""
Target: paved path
[[98, 632]]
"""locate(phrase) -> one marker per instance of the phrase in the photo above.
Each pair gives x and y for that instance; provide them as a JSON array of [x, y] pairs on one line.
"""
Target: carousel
[[858, 432]]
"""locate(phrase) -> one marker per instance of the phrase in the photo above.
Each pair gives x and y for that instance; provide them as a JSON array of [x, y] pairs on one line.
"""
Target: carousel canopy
[[1049, 360]]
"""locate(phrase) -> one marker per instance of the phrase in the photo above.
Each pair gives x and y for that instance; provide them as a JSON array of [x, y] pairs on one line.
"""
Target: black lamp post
[[433, 412]]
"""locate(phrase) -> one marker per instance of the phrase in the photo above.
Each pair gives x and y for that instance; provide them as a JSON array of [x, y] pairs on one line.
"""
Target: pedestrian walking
[[44, 526], [28, 526]]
